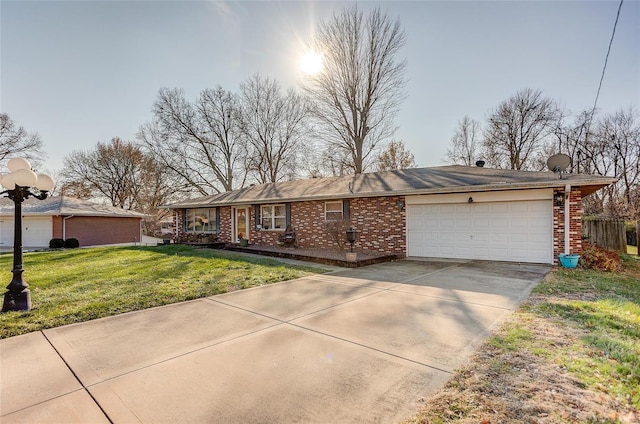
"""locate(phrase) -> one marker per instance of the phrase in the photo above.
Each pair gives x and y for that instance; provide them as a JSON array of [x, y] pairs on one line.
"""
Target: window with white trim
[[333, 210], [273, 217], [201, 220]]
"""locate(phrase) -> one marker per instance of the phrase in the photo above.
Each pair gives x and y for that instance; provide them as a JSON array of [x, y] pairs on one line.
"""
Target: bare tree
[[395, 156], [358, 93], [198, 142], [16, 141], [570, 137], [465, 143], [518, 129], [619, 136], [117, 171], [273, 125]]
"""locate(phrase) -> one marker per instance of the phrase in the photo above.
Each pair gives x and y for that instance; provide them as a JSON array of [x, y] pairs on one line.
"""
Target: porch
[[321, 256]]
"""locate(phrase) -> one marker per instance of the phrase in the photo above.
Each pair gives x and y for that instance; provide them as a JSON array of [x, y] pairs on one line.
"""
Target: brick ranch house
[[66, 217], [453, 211]]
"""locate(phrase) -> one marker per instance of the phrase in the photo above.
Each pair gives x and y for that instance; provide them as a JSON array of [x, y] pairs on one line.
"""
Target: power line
[[604, 68]]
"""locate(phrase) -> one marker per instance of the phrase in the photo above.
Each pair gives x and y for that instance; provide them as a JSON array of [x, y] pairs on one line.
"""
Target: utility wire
[[604, 68]]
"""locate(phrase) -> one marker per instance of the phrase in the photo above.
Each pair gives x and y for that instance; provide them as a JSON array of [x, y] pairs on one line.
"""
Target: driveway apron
[[358, 345]]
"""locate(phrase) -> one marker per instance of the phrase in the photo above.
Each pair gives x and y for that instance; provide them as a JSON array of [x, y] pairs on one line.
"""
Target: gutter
[[64, 226], [567, 221]]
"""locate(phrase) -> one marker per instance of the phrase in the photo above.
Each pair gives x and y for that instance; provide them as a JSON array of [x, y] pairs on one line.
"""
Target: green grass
[[576, 337], [78, 285], [606, 306]]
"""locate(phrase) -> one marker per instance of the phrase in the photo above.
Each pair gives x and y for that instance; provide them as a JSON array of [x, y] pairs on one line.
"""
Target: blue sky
[[79, 72]]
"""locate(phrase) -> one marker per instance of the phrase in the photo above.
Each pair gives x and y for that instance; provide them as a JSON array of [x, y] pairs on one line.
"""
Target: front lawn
[[78, 285], [569, 354]]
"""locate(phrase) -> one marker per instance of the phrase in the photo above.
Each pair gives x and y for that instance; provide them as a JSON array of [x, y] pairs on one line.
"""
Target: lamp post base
[[17, 301]]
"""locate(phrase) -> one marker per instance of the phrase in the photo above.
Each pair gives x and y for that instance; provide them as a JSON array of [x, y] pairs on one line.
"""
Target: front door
[[241, 224]]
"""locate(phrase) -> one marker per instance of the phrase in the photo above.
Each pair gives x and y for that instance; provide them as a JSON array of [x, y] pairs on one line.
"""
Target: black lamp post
[[351, 236], [20, 183]]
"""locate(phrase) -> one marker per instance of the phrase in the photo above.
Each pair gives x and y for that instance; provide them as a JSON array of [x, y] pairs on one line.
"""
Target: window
[[201, 220], [333, 211], [273, 217]]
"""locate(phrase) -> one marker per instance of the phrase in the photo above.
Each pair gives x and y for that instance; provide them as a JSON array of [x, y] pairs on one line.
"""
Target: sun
[[311, 63]]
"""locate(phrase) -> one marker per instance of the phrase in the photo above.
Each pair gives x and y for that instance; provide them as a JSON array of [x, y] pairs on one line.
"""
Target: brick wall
[[93, 230], [380, 222], [575, 225]]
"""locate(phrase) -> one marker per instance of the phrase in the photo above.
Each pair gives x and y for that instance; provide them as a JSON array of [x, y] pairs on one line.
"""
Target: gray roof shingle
[[65, 206], [441, 179]]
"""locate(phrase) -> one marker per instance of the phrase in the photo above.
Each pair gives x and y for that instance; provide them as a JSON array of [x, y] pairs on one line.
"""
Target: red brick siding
[[575, 225], [92, 230], [381, 225], [57, 227], [380, 222], [225, 224]]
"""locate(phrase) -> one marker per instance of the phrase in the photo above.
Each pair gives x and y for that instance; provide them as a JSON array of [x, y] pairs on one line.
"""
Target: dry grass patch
[[570, 354]]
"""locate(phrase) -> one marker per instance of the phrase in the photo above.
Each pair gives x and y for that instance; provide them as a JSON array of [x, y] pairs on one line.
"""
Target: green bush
[[56, 243], [71, 243]]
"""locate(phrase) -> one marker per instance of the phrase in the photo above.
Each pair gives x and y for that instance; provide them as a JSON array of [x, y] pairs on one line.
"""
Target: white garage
[[502, 226], [36, 231]]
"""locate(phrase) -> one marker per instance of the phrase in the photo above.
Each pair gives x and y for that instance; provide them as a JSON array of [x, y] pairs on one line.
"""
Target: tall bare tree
[[395, 156], [200, 141], [273, 125], [465, 143], [519, 128], [618, 135], [569, 137], [117, 171], [359, 91], [16, 141]]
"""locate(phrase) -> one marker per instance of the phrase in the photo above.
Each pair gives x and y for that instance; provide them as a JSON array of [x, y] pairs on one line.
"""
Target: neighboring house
[[441, 212], [65, 217]]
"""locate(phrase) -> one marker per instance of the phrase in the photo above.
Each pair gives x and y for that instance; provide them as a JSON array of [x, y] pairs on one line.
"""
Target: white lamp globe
[[25, 177], [7, 182], [16, 164], [45, 182]]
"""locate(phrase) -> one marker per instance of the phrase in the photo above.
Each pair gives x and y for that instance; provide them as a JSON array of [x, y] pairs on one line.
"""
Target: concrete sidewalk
[[358, 345]]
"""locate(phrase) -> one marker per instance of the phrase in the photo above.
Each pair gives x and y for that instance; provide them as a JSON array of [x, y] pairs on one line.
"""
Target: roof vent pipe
[[480, 163]]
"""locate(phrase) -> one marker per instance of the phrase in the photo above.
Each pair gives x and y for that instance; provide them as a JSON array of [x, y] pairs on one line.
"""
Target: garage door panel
[[510, 231], [36, 231]]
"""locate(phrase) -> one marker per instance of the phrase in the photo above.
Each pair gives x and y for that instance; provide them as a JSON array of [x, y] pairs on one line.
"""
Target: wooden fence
[[607, 233]]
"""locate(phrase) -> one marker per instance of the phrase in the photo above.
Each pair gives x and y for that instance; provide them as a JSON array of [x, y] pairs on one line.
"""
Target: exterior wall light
[[558, 199], [352, 234], [20, 184]]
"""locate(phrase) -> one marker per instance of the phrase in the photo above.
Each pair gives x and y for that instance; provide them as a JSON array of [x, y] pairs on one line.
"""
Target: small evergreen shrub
[[71, 243], [56, 243]]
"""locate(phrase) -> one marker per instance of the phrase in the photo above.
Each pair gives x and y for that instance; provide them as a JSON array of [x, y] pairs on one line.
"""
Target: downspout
[[64, 226], [567, 197]]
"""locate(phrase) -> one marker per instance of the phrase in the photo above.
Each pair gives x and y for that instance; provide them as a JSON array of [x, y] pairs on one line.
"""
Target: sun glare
[[311, 63]]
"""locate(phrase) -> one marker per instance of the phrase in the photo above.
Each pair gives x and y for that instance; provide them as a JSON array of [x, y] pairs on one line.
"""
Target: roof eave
[[590, 185]]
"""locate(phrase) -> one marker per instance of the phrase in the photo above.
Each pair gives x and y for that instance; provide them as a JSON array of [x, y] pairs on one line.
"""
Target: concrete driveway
[[357, 345]]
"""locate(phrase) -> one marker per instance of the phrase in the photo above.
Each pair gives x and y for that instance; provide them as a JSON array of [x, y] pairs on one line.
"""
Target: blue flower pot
[[569, 260]]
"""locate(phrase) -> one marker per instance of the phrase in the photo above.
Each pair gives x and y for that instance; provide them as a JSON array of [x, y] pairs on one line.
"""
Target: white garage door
[[520, 231], [6, 233], [36, 232]]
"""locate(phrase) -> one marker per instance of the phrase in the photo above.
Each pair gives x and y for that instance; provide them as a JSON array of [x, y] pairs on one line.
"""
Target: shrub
[[71, 243], [596, 257], [337, 231], [56, 243]]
